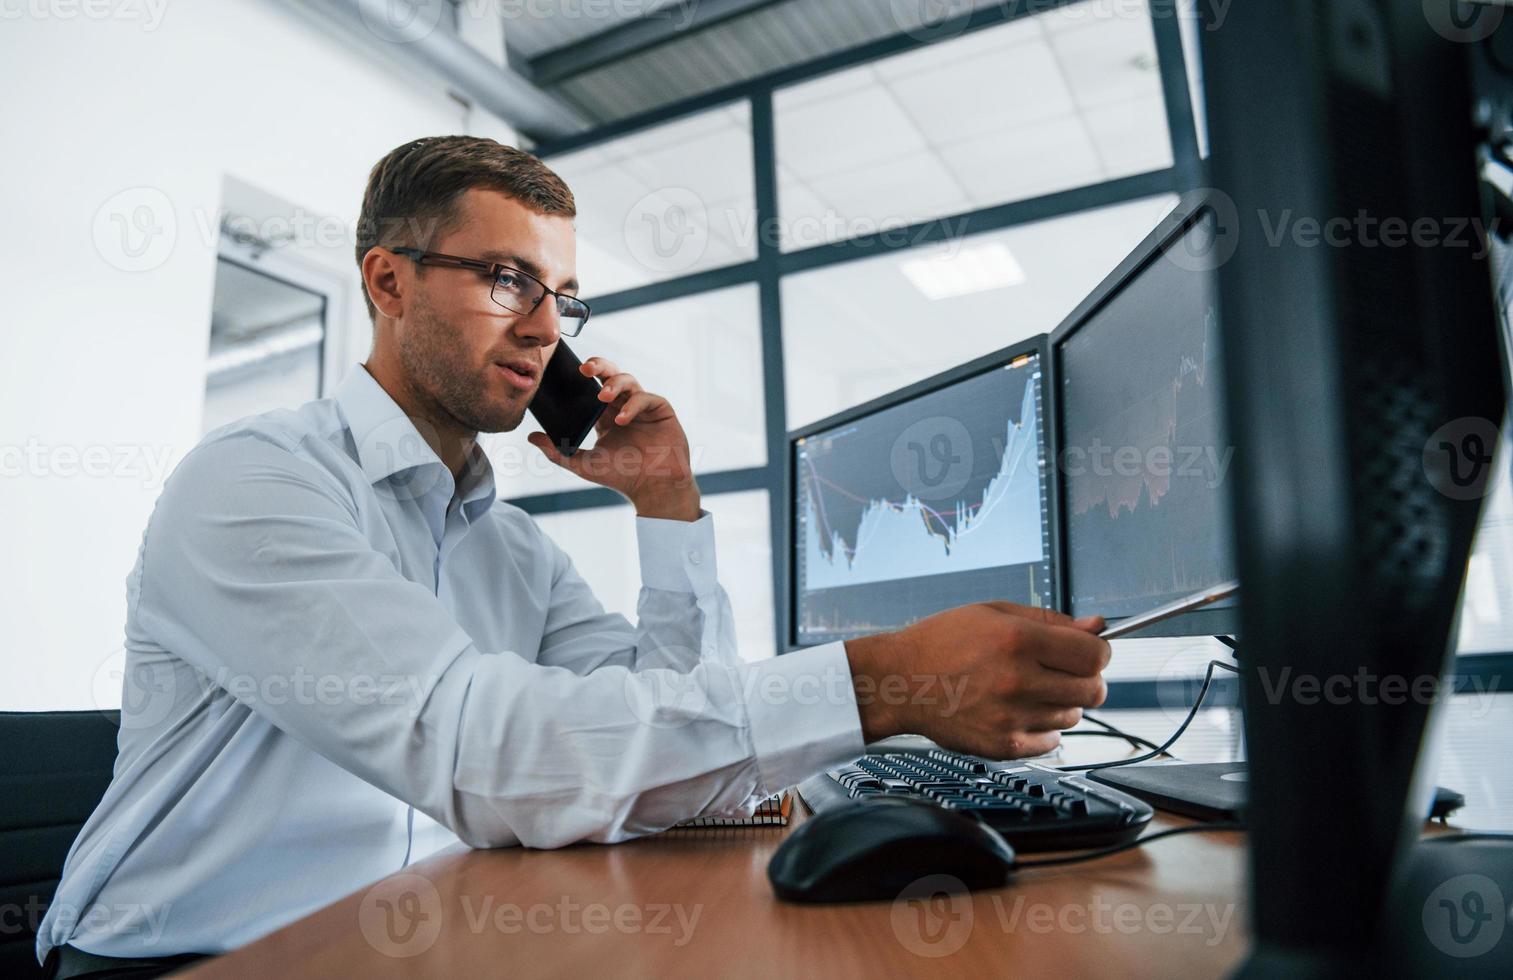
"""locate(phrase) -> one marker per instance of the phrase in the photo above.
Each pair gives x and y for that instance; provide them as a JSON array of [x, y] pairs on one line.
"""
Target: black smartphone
[[566, 404]]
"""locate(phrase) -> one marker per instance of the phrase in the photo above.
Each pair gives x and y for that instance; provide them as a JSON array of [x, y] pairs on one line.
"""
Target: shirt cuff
[[803, 713], [677, 556]]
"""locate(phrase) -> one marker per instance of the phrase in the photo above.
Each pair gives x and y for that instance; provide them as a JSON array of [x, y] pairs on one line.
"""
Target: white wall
[[94, 354]]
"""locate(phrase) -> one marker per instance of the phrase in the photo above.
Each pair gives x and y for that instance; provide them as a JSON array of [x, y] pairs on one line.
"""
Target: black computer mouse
[[875, 850]]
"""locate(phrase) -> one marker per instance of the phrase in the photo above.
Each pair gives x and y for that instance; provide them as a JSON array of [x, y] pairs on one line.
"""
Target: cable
[[1109, 729], [1130, 845], [1134, 740], [1192, 713]]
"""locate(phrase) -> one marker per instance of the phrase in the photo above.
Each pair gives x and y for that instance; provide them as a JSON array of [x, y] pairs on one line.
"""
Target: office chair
[[54, 768]]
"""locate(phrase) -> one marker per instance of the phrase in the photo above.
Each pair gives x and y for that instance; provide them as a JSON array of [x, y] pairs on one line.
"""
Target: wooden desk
[[697, 904]]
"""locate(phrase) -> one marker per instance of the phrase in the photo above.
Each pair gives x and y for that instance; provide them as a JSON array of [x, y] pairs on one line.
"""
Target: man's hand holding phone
[[641, 450]]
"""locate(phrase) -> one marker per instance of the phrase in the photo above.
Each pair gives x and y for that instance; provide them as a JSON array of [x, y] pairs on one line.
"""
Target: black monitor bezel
[[1205, 622], [1037, 345]]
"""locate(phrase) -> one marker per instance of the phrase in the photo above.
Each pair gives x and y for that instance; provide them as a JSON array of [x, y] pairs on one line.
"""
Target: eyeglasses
[[517, 291]]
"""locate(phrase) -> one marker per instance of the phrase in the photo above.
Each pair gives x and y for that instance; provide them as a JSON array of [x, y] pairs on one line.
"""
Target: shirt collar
[[388, 443]]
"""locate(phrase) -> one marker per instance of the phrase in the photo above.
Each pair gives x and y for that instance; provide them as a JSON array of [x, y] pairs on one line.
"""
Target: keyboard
[[1033, 807]]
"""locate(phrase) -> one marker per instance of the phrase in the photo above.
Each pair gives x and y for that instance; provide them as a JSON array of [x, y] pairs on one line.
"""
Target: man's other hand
[[1020, 676]]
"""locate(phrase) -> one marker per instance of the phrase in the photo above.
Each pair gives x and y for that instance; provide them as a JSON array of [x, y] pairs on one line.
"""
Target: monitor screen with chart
[[931, 498], [1142, 451]]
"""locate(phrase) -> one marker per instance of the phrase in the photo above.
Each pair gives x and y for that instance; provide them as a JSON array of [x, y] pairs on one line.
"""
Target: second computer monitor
[[1142, 451], [933, 497]]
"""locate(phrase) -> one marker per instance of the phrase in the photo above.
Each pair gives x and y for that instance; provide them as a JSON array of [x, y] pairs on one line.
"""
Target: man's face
[[464, 353]]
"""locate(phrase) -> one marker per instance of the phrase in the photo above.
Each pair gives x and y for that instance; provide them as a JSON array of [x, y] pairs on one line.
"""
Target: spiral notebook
[[771, 812]]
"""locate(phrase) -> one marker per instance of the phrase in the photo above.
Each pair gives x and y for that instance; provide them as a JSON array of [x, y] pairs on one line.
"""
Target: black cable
[[1130, 845], [1129, 737], [1192, 713], [1136, 740]]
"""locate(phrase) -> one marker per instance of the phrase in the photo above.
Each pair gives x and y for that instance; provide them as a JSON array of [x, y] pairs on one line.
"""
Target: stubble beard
[[430, 351]]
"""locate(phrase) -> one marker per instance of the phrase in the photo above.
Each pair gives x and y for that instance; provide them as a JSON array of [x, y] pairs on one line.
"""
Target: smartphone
[[1185, 605], [566, 404]]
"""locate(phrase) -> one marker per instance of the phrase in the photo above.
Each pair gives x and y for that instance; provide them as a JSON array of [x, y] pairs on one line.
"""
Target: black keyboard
[[1034, 808]]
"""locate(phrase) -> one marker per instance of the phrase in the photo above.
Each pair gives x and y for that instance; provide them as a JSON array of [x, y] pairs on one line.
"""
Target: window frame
[[1187, 173]]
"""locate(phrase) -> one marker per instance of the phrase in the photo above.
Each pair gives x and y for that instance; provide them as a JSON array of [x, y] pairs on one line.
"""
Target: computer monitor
[[932, 497], [1359, 367], [1141, 448]]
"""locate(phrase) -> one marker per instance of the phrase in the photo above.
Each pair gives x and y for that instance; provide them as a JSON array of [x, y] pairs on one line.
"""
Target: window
[[664, 202], [265, 345], [854, 331], [271, 317], [1474, 735], [1486, 624], [602, 543], [1036, 104], [1192, 53], [703, 352]]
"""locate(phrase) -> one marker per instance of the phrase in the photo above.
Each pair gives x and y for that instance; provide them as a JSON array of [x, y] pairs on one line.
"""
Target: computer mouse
[[875, 850]]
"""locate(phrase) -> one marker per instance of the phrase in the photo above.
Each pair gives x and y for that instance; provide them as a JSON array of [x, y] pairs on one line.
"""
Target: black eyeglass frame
[[493, 270]]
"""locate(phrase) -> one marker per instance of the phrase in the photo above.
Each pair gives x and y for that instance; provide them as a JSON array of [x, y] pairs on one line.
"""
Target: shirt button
[[694, 558]]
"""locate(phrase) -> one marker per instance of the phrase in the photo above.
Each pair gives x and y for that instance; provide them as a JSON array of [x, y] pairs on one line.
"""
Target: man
[[343, 653]]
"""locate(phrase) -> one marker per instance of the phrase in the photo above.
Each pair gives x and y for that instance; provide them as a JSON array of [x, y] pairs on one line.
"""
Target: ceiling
[[1038, 105], [552, 24], [1006, 113], [616, 59]]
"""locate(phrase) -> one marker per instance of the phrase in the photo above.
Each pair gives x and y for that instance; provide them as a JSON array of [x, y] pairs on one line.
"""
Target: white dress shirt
[[337, 662]]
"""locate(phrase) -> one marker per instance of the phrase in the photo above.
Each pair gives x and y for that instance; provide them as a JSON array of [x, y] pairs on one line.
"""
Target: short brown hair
[[412, 192]]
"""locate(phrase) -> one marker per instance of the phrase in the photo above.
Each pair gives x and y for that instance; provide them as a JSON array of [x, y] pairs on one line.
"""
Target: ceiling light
[[974, 269]]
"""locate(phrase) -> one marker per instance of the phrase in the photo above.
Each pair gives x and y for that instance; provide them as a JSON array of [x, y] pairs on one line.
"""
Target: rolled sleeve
[[802, 714], [677, 556]]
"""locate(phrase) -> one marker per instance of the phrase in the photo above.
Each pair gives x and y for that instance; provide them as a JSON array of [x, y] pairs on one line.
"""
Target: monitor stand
[[1452, 909], [1201, 790], [1450, 917], [1215, 790]]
